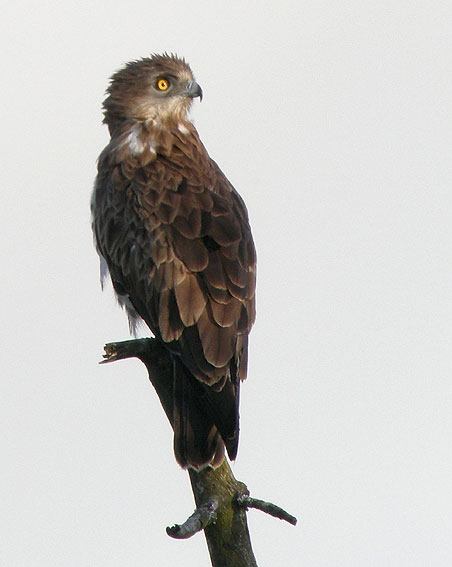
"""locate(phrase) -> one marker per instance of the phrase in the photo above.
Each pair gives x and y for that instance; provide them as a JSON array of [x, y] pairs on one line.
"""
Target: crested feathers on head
[[160, 87]]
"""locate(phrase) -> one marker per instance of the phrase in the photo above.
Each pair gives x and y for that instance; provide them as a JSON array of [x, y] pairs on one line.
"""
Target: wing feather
[[188, 224], [234, 271], [225, 229], [170, 325], [191, 301], [218, 343], [213, 273], [228, 314]]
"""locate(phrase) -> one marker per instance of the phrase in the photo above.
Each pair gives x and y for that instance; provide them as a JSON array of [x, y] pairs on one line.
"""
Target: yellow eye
[[163, 84]]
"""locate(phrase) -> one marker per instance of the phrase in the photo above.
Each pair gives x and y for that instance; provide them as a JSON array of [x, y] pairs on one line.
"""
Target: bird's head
[[161, 87]]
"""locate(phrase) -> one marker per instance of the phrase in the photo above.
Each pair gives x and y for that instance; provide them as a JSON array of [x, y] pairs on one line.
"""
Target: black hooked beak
[[193, 90]]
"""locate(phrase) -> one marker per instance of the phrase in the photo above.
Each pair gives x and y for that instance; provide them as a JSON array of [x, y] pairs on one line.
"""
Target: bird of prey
[[175, 238]]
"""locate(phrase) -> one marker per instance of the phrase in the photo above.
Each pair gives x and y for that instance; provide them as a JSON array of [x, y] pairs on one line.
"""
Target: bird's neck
[[146, 139]]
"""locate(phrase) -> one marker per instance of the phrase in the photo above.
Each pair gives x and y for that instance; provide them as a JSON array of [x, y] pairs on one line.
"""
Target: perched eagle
[[174, 236]]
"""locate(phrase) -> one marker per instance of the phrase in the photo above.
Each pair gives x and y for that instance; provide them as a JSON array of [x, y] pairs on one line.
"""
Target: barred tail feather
[[204, 421]]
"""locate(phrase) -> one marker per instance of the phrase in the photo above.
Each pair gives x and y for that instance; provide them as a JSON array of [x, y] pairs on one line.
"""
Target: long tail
[[204, 421]]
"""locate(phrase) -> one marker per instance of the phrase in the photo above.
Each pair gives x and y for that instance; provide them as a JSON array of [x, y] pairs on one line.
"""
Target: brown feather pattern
[[176, 239]]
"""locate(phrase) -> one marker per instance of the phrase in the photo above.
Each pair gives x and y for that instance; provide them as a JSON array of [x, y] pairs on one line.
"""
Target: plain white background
[[333, 120]]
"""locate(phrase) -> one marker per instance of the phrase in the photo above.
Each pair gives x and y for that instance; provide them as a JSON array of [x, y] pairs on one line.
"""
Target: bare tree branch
[[200, 519], [247, 502], [220, 498]]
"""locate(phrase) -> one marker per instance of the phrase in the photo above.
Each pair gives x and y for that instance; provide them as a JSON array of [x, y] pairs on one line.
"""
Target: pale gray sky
[[333, 120]]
